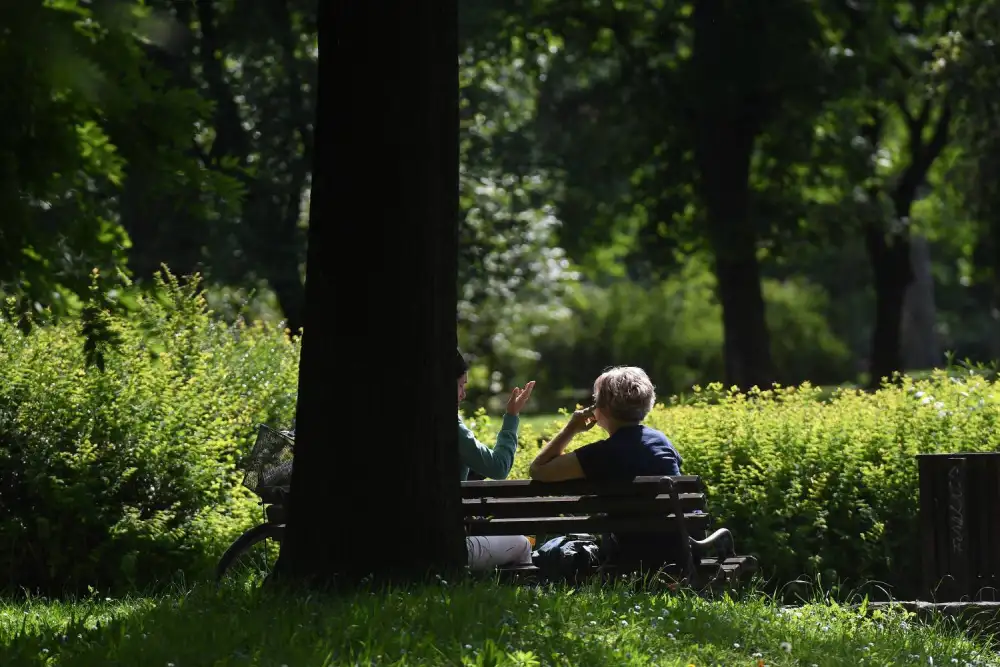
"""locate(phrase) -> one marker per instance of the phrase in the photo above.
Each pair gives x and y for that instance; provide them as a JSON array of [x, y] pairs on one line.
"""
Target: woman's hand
[[518, 397]]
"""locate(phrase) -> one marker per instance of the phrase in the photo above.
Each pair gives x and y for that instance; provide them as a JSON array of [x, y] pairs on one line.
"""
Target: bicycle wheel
[[252, 555]]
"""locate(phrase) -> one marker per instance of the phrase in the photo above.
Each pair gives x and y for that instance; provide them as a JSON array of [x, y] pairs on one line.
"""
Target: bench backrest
[[524, 507]]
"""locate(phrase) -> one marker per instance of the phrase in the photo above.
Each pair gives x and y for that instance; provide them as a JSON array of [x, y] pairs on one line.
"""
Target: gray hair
[[625, 393]]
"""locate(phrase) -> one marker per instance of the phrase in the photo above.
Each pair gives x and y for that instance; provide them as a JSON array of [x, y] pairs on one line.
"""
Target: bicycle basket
[[269, 466]]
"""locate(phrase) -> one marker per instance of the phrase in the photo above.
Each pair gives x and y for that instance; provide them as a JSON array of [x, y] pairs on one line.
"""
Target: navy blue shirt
[[634, 451], [631, 452]]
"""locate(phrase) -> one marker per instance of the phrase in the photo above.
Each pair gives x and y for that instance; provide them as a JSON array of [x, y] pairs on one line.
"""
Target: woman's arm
[[494, 463], [551, 464]]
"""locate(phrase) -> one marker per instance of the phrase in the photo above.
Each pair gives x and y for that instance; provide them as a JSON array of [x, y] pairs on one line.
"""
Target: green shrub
[[816, 487], [124, 477]]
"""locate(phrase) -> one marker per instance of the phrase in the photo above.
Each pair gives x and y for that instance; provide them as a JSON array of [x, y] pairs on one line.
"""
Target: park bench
[[666, 505]]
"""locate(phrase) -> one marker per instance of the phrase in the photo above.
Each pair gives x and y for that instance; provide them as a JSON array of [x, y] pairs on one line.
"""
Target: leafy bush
[[122, 477], [125, 476], [818, 487]]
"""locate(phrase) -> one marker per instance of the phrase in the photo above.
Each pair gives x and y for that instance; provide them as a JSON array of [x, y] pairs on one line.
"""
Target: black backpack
[[568, 556]]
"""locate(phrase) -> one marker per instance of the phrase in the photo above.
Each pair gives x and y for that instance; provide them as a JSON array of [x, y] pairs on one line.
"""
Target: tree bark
[[920, 340], [893, 273], [890, 251], [724, 165], [375, 487], [731, 114]]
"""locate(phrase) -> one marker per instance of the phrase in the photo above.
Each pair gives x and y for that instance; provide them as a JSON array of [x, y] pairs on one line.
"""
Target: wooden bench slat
[[522, 488], [582, 524], [746, 563], [557, 505]]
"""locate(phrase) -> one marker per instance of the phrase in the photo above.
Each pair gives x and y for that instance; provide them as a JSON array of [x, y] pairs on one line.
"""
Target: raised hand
[[518, 397], [582, 420]]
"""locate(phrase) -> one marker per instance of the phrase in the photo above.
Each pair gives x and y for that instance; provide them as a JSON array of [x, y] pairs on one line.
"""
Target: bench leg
[[688, 570]]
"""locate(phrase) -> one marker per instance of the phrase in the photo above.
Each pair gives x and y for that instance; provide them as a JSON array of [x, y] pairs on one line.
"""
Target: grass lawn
[[467, 624]]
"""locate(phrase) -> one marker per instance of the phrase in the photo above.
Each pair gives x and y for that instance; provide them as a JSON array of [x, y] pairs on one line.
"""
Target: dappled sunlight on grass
[[469, 624]]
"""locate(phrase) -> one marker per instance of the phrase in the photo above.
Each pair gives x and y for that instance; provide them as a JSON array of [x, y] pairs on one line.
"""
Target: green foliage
[[513, 278], [126, 474], [481, 625], [51, 145], [84, 107], [98, 329], [674, 330], [874, 116], [816, 487], [802, 343]]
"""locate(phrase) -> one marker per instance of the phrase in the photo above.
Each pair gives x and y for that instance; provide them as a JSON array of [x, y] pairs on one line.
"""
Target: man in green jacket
[[494, 463]]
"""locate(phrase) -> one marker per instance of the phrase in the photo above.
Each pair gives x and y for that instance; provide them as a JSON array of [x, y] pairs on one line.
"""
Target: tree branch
[[941, 130], [922, 157], [905, 111]]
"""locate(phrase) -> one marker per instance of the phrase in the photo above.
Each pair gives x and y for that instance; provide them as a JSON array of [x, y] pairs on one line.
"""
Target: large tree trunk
[[724, 163], [725, 130], [375, 487]]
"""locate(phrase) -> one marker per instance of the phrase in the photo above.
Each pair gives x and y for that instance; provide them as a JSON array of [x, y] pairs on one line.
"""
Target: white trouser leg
[[487, 552]]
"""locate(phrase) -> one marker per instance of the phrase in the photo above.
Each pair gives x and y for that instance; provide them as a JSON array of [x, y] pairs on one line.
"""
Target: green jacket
[[493, 463]]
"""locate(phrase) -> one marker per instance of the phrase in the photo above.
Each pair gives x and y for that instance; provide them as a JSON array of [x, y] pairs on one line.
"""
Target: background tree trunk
[[921, 349], [725, 130], [375, 485], [724, 163], [890, 260], [890, 252], [994, 242]]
